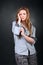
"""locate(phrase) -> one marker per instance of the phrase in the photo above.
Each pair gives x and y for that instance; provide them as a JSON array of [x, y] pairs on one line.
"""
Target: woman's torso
[[21, 45]]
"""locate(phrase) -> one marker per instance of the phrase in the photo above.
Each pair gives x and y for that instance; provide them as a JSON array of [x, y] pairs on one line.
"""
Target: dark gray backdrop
[[7, 15]]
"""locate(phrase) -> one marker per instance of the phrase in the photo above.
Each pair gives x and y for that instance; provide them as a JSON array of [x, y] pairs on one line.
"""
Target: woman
[[24, 38]]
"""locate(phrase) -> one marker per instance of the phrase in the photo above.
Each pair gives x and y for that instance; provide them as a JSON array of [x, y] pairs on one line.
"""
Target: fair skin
[[22, 16]]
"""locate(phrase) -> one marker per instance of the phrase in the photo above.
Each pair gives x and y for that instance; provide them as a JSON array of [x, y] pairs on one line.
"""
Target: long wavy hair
[[28, 22]]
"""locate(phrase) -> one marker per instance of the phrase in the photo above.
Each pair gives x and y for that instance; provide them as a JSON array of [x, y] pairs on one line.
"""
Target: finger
[[18, 15]]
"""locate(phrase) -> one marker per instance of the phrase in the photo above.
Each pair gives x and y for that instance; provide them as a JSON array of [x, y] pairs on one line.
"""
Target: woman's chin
[[23, 20]]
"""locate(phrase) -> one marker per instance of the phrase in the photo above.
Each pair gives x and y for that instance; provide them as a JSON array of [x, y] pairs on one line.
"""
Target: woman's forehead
[[22, 11]]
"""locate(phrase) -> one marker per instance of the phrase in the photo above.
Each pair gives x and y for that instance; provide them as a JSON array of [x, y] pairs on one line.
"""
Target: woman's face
[[23, 15]]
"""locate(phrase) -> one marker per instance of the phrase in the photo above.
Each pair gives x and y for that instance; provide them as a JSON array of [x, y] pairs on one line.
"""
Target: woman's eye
[[23, 13]]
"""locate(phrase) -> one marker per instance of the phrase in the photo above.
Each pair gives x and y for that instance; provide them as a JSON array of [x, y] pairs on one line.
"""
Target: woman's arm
[[28, 39]]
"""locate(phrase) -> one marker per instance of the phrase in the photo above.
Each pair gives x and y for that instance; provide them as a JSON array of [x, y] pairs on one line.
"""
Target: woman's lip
[[22, 17]]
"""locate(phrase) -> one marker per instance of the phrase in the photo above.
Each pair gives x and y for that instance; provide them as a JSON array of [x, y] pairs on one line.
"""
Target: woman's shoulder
[[14, 22]]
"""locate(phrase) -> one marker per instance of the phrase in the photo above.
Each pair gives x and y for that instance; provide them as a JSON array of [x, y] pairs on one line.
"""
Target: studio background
[[8, 11]]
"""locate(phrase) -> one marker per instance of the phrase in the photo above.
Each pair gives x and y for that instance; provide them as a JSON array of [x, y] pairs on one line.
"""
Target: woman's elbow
[[33, 42]]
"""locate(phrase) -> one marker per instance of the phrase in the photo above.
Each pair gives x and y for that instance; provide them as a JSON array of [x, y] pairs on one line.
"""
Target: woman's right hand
[[19, 19]]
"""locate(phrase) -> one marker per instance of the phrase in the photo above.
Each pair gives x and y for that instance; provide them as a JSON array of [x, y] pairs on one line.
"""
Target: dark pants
[[32, 59], [26, 60]]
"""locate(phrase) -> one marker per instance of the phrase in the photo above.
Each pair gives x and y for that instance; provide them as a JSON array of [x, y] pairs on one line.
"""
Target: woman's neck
[[23, 24]]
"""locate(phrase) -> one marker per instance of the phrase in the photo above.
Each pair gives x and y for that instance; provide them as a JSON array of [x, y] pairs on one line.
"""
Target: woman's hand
[[19, 19], [22, 31]]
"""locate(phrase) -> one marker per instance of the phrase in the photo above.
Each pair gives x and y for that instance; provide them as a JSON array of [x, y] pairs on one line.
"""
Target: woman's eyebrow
[[20, 14]]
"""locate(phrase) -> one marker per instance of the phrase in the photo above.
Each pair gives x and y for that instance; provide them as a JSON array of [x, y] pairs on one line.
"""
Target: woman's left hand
[[22, 31]]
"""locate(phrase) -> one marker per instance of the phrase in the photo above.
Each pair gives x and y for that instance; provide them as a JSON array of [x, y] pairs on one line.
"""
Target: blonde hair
[[28, 22]]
